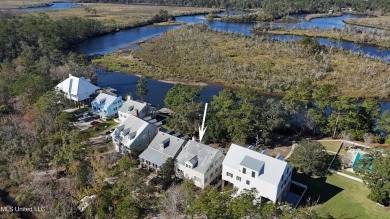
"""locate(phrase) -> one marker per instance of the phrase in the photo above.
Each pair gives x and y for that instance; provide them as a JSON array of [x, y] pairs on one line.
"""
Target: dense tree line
[[273, 7], [245, 117], [35, 133]]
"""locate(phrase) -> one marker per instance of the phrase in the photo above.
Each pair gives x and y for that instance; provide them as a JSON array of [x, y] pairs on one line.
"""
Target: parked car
[[94, 123], [87, 119]]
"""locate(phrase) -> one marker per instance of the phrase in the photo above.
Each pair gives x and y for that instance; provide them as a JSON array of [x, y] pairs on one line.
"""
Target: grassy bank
[[376, 22], [121, 16], [313, 16], [24, 3], [195, 53], [349, 35], [341, 197]]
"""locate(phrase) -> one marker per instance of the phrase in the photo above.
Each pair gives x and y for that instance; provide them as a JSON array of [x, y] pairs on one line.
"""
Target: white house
[[135, 108], [77, 89], [133, 135], [163, 147], [247, 169], [200, 163], [107, 105]]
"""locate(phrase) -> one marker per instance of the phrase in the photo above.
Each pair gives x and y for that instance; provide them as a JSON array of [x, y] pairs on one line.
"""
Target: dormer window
[[192, 163], [130, 108], [164, 144]]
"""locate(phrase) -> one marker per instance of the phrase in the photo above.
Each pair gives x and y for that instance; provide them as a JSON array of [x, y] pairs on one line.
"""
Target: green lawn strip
[[351, 174], [340, 197], [331, 145]]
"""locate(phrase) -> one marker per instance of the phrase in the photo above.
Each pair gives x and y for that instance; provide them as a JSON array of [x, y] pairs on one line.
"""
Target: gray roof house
[[200, 163], [163, 147], [133, 134], [247, 169], [135, 108]]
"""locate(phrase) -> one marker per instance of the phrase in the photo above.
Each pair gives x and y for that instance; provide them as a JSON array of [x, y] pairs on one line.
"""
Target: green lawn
[[351, 174], [332, 146], [341, 197]]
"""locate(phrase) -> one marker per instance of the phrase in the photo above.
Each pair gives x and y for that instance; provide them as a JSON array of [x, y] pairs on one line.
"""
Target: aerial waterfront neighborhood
[[194, 109]]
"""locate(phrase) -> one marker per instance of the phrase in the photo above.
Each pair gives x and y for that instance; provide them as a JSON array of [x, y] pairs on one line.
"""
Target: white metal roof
[[79, 87], [272, 168]]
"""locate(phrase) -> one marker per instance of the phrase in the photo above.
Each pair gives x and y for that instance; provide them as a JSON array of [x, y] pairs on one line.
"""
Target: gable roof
[[204, 154], [162, 147], [77, 86], [132, 127], [272, 168], [130, 106], [105, 99]]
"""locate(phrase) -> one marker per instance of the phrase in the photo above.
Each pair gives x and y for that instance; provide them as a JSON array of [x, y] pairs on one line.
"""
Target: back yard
[[341, 197]]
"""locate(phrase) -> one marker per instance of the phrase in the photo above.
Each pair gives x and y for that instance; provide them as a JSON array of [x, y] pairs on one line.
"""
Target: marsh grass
[[363, 37], [23, 3], [382, 22], [323, 15], [120, 16], [195, 53]]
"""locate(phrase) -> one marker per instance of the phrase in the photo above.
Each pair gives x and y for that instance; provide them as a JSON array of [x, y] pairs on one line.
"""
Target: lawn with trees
[[310, 158]]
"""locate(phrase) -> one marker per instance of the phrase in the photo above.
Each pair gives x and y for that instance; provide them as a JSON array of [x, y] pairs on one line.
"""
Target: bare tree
[[368, 137], [172, 202]]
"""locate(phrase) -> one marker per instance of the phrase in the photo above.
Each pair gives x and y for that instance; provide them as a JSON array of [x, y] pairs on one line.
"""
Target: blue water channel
[[54, 6]]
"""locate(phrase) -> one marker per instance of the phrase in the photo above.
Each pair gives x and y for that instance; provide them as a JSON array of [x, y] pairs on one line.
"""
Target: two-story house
[[247, 169], [135, 108], [163, 147], [200, 163], [133, 135], [107, 105], [77, 89]]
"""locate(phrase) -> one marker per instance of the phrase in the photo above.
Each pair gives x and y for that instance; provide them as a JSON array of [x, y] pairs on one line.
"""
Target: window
[[238, 178], [253, 174], [229, 174], [244, 170], [205, 180], [247, 182]]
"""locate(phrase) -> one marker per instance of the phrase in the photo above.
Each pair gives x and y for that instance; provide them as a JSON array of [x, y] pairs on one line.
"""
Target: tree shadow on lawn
[[317, 188]]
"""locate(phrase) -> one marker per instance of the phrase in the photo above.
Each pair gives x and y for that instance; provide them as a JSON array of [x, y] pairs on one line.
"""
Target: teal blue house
[[107, 105]]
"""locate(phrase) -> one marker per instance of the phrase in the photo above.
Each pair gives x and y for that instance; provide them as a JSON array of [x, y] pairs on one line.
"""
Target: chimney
[[129, 97], [136, 113]]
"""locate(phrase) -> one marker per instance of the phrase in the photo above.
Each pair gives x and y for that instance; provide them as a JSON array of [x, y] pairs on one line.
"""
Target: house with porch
[[200, 163], [79, 90], [163, 147], [247, 169], [133, 135], [135, 108], [107, 105]]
